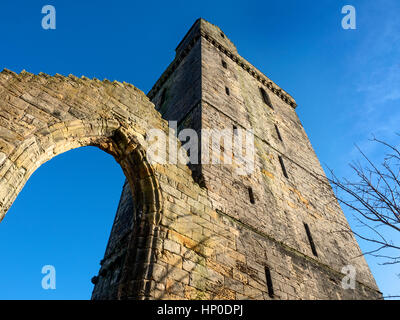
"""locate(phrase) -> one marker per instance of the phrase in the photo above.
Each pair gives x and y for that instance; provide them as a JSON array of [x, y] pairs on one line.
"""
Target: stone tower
[[272, 231]]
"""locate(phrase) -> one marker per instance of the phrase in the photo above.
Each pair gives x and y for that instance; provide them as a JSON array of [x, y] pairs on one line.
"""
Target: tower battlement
[[213, 34]]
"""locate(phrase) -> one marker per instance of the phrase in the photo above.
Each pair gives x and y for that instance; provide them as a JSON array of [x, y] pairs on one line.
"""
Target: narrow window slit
[[266, 98], [310, 239], [278, 133], [227, 91], [224, 64], [251, 195], [283, 167], [162, 98], [268, 278], [235, 130]]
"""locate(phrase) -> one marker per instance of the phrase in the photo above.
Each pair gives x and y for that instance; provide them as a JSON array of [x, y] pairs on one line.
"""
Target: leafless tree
[[373, 198]]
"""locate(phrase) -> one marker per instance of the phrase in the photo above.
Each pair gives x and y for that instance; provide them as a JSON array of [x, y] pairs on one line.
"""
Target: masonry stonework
[[192, 231]]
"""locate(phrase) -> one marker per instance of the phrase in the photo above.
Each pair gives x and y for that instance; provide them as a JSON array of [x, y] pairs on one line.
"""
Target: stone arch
[[43, 124], [46, 116]]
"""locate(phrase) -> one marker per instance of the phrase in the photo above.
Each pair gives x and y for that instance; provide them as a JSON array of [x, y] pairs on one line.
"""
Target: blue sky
[[346, 84]]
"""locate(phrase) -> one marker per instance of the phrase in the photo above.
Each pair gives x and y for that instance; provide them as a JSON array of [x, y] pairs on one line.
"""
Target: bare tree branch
[[373, 199]]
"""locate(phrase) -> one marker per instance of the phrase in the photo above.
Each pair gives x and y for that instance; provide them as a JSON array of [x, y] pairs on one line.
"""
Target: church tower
[[274, 230]]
